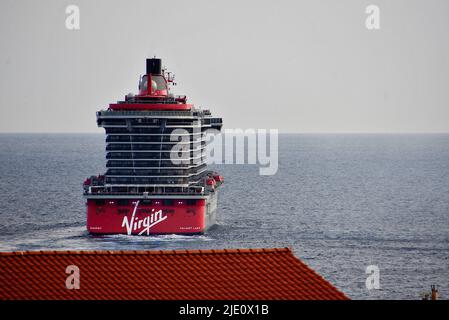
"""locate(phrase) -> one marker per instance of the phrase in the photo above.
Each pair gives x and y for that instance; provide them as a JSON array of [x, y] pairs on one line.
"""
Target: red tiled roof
[[240, 274]]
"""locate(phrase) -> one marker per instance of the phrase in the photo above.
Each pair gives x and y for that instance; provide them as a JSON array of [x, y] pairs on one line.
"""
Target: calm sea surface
[[341, 202]]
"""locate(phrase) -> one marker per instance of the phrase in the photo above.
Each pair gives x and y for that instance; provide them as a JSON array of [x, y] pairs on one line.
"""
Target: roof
[[237, 274]]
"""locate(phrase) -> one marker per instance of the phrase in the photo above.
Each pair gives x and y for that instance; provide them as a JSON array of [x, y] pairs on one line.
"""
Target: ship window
[[123, 211], [158, 83], [143, 85], [122, 202]]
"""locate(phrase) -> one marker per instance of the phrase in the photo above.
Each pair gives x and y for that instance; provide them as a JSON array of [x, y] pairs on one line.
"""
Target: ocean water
[[341, 202]]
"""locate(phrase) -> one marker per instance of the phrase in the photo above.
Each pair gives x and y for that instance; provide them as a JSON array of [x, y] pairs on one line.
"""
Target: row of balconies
[[152, 122], [150, 180], [152, 131], [153, 147], [152, 163], [190, 155], [155, 172], [150, 138]]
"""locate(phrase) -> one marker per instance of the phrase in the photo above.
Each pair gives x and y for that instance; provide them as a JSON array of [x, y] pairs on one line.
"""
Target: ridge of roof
[[145, 252]]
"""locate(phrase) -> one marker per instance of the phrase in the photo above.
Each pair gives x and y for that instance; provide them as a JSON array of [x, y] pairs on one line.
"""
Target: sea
[[351, 206]]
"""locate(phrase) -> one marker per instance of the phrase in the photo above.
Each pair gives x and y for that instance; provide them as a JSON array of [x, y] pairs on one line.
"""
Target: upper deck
[[154, 92]]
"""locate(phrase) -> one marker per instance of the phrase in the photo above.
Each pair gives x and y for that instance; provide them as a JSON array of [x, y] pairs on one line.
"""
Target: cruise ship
[[156, 179]]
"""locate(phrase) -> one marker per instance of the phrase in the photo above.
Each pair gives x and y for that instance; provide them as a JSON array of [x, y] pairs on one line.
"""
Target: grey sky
[[300, 66]]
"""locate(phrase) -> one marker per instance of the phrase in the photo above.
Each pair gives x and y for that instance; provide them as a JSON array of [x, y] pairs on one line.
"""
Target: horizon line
[[287, 132]]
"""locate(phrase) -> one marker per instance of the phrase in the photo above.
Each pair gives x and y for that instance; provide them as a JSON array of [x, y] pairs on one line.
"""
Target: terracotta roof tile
[[229, 274]]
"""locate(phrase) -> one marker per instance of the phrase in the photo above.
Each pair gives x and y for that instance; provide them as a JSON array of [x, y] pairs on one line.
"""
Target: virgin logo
[[135, 224]]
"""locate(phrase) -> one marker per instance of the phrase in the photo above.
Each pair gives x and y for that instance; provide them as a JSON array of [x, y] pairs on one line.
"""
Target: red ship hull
[[139, 218]]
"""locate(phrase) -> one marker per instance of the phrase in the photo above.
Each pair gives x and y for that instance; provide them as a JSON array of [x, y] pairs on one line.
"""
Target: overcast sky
[[299, 66]]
